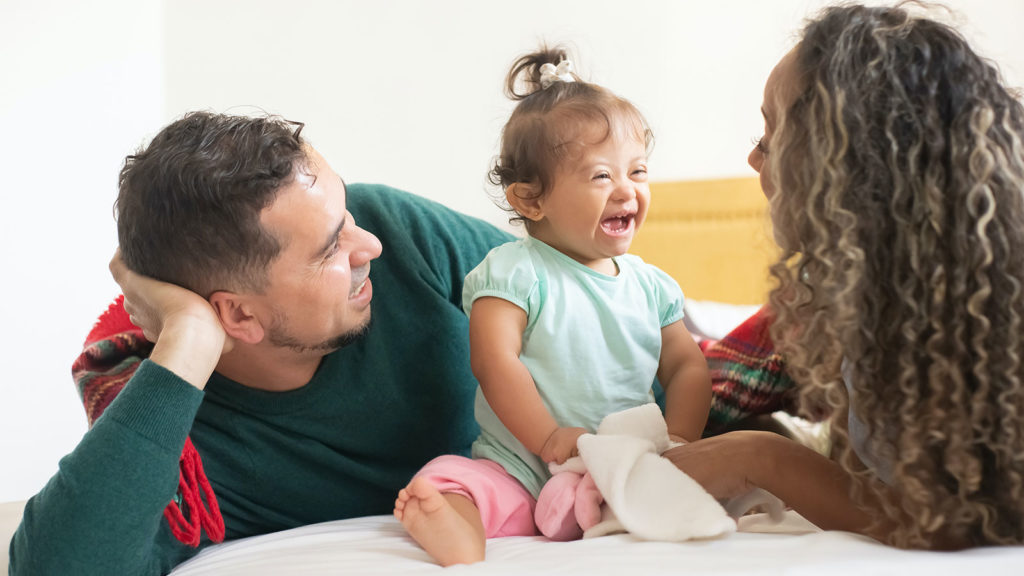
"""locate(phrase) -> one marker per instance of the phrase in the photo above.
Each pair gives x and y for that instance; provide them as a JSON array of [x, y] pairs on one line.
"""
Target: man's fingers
[[116, 265]]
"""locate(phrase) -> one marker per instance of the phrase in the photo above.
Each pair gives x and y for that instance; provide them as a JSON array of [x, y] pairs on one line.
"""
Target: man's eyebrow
[[333, 239]]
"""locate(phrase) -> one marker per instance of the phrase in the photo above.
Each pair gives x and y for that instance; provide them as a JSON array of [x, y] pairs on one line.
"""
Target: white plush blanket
[[645, 494]]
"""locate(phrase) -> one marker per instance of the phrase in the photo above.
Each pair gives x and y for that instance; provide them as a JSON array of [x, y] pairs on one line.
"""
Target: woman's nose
[[755, 159]]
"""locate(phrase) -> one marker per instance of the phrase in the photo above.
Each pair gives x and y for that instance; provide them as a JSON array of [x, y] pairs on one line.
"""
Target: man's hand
[[188, 334], [561, 445]]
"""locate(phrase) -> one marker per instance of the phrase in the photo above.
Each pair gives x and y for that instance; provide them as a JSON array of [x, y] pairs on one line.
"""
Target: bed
[[714, 238]]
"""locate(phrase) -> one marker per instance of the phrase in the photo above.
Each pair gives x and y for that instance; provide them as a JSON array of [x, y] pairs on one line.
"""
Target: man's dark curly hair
[[188, 206]]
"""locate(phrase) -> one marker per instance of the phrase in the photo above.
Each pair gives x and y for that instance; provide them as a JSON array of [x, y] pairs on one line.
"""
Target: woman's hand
[[188, 334], [817, 488], [561, 445], [724, 465]]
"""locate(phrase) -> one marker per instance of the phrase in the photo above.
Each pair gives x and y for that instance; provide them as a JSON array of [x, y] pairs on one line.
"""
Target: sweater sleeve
[[102, 512]]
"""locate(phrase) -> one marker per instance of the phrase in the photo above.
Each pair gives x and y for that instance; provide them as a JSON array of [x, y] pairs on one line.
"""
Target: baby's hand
[[677, 439], [561, 445]]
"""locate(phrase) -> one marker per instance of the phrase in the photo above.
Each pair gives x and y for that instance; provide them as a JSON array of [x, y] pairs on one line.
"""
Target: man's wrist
[[190, 347]]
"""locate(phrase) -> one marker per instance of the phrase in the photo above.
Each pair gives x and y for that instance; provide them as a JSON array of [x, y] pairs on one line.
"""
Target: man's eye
[[334, 250]]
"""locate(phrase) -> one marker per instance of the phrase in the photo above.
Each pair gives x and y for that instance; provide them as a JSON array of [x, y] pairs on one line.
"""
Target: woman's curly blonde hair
[[899, 178]]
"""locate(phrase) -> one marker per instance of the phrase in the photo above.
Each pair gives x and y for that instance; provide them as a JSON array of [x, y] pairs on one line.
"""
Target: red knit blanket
[[113, 350]]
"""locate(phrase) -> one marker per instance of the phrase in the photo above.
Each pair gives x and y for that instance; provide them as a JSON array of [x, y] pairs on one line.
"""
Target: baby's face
[[597, 202]]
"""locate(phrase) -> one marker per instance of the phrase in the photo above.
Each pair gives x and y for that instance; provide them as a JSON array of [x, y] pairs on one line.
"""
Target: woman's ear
[[237, 317], [525, 200]]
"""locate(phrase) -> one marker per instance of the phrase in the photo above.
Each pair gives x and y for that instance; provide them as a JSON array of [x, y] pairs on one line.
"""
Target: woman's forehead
[[781, 88]]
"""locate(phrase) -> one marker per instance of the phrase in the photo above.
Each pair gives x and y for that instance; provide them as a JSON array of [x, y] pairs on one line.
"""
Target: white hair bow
[[549, 73]]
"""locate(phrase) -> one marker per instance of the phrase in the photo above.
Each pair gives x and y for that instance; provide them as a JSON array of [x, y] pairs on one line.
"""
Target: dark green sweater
[[339, 447]]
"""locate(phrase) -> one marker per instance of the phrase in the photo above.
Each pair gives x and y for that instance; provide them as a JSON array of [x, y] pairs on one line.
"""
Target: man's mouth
[[359, 279]]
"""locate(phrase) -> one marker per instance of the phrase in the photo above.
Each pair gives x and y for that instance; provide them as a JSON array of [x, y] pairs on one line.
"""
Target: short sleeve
[[667, 294], [507, 272]]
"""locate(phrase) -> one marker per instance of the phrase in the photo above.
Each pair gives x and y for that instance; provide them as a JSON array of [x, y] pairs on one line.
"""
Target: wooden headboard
[[712, 236]]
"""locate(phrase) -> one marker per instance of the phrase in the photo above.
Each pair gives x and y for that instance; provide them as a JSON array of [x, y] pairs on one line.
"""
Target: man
[[270, 399]]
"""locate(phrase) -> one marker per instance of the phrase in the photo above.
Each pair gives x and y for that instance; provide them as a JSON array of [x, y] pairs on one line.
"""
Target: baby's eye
[[601, 175]]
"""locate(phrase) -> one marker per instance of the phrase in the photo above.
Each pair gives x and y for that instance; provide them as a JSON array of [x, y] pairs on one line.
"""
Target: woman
[[893, 161]]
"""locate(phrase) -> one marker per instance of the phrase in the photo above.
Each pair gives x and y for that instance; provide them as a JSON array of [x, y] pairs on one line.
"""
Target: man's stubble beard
[[278, 336]]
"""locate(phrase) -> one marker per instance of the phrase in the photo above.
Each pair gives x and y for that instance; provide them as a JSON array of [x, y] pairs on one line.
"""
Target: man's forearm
[[102, 513]]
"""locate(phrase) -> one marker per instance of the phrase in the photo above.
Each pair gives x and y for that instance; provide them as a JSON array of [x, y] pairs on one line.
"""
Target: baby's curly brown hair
[[548, 124], [899, 178]]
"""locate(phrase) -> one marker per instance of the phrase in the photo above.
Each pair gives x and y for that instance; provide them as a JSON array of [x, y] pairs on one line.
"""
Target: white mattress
[[379, 545]]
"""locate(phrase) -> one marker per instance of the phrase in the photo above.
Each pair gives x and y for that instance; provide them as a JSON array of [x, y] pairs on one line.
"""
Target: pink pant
[[506, 508], [569, 503]]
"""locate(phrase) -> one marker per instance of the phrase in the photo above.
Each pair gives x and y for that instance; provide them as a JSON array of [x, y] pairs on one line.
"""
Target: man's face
[[318, 294]]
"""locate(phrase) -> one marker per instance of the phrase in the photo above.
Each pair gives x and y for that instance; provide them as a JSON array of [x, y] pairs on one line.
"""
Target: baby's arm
[[683, 373], [496, 329]]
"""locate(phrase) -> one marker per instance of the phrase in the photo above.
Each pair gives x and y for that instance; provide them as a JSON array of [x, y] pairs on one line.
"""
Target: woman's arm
[[816, 487], [683, 374], [496, 329]]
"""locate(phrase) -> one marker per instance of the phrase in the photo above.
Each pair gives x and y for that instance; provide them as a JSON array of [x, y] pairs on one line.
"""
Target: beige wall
[[404, 92]]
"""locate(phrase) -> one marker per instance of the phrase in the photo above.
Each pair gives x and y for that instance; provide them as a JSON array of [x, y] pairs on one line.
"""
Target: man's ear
[[237, 317], [523, 197]]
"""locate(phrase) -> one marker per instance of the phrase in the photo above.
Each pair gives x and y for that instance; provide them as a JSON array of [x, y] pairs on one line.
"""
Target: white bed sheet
[[379, 545]]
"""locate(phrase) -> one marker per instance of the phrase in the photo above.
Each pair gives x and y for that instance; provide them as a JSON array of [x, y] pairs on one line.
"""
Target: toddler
[[565, 326]]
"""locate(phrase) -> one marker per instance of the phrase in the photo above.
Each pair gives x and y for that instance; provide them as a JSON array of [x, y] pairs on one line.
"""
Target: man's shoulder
[[384, 199], [384, 209]]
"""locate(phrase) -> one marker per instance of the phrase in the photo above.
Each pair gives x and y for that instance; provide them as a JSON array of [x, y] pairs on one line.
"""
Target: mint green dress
[[592, 341]]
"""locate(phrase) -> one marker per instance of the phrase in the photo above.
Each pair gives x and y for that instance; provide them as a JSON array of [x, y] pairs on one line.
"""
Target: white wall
[[404, 92], [80, 84], [409, 92]]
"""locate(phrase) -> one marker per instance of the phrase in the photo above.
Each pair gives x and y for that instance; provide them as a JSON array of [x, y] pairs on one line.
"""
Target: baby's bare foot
[[436, 525]]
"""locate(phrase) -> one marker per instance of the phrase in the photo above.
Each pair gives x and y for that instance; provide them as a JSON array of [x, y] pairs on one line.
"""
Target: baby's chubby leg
[[447, 526]]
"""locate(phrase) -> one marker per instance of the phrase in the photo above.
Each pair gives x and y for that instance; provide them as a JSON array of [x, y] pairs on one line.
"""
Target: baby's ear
[[524, 198]]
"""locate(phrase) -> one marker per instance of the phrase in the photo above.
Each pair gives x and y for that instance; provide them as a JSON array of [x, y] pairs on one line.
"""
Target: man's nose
[[368, 247]]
